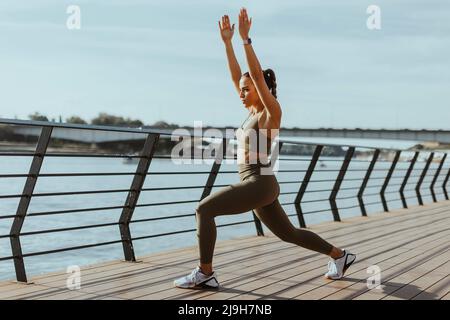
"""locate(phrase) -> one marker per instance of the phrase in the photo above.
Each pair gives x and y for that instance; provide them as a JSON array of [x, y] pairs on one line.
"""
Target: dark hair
[[271, 81]]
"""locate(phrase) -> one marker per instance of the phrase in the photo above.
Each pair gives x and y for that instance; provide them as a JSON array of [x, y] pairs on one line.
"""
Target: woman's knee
[[202, 209]]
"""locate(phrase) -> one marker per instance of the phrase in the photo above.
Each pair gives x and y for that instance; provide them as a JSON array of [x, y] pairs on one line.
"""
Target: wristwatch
[[248, 41]]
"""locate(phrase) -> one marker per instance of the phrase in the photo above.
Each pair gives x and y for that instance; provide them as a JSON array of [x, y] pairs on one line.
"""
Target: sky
[[165, 60]]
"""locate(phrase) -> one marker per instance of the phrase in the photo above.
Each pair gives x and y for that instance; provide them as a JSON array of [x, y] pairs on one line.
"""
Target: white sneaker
[[197, 279], [337, 267]]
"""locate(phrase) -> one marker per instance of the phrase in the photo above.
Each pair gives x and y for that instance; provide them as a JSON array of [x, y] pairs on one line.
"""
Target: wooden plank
[[257, 267], [271, 267], [389, 269], [266, 275], [436, 291], [389, 273], [357, 276], [418, 279]]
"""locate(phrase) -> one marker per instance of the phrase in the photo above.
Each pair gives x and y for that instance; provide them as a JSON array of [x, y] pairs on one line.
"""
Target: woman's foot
[[197, 279], [337, 267]]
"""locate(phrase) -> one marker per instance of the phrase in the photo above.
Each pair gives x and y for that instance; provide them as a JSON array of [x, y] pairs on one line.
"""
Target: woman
[[256, 191]]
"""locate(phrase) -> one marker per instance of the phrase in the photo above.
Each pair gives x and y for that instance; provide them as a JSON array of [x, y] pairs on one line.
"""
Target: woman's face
[[249, 95]]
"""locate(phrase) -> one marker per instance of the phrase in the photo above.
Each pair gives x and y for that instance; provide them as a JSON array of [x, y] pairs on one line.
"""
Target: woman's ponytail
[[271, 81]]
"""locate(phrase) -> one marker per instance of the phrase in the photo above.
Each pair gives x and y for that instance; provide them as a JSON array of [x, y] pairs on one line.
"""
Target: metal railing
[[147, 154]]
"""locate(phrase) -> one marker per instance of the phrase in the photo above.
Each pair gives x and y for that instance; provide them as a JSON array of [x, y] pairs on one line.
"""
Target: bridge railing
[[341, 156]]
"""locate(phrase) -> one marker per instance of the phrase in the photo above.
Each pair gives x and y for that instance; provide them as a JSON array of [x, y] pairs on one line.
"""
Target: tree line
[[104, 119]]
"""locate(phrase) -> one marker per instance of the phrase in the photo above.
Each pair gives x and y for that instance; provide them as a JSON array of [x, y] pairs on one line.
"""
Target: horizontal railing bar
[[321, 190], [377, 194], [53, 194], [375, 186], [293, 159], [371, 203], [348, 188], [184, 172], [71, 248], [318, 200], [162, 157], [287, 203], [9, 196], [288, 182], [340, 160], [291, 170], [351, 207], [102, 191], [323, 180], [70, 193], [70, 155], [17, 154], [234, 223], [163, 218], [190, 230], [92, 155], [47, 213], [390, 200], [377, 202], [315, 211], [345, 198], [162, 234], [171, 188], [284, 193], [165, 203], [86, 174], [69, 229], [8, 217], [6, 258], [82, 174], [14, 175]]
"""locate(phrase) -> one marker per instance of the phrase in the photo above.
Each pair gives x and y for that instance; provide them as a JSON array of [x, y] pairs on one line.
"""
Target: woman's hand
[[244, 24], [226, 32]]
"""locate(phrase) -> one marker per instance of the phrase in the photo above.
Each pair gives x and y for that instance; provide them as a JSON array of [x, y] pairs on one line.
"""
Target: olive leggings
[[255, 192]]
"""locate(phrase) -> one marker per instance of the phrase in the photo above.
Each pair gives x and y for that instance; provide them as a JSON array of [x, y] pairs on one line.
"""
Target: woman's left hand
[[244, 24]]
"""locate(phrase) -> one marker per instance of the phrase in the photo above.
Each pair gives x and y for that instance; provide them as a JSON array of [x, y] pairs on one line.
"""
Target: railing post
[[24, 202], [422, 177], [444, 184], [366, 180], [133, 195], [337, 184], [386, 181], [438, 171], [304, 185], [405, 180]]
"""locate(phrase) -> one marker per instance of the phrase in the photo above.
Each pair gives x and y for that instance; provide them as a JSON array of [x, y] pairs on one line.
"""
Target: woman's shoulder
[[265, 121]]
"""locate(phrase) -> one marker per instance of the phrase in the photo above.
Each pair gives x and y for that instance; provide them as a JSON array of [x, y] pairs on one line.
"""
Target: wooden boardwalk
[[410, 246]]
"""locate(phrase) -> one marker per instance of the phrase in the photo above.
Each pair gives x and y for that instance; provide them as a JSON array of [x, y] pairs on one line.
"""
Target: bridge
[[393, 213], [98, 136]]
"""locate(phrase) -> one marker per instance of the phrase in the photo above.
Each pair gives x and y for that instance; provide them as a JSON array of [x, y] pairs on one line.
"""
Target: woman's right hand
[[226, 31]]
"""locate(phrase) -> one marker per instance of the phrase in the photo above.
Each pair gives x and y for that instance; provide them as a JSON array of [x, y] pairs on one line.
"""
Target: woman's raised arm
[[255, 70], [226, 32]]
